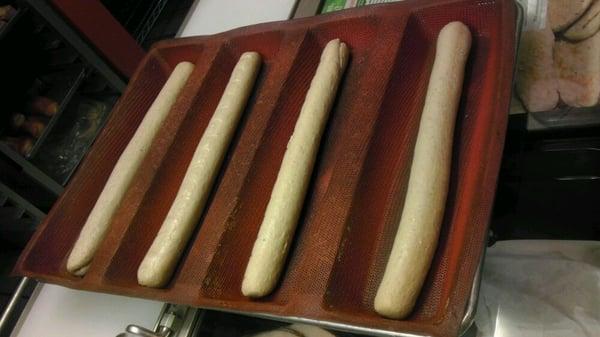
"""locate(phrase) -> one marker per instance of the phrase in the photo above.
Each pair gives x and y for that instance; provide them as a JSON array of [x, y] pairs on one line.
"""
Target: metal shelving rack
[[9, 25], [86, 78], [18, 215], [87, 62], [137, 16], [72, 88], [16, 210]]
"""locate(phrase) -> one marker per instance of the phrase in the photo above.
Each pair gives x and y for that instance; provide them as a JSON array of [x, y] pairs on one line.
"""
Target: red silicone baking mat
[[357, 189]]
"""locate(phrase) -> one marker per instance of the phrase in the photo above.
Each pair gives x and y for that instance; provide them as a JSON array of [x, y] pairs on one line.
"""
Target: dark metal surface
[[31, 170], [9, 310], [74, 85], [86, 51]]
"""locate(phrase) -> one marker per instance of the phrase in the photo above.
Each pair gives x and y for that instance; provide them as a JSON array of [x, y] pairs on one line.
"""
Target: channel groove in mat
[[351, 210]]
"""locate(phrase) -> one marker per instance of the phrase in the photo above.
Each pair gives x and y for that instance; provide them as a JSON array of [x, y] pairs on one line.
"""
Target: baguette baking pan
[[356, 194]]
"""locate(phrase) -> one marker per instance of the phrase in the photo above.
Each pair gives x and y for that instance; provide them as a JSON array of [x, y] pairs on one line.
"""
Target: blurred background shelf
[[59, 84], [137, 16], [6, 27], [65, 65], [71, 79]]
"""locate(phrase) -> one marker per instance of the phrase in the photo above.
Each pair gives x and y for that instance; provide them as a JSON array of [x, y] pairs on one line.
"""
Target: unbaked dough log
[[587, 25], [578, 68], [418, 231], [562, 13], [279, 223], [98, 221], [162, 257], [537, 80]]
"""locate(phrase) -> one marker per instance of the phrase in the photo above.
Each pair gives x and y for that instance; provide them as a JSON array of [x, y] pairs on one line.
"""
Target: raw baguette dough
[[276, 231], [537, 81], [97, 223], [578, 68], [162, 257], [562, 13], [418, 232], [587, 25]]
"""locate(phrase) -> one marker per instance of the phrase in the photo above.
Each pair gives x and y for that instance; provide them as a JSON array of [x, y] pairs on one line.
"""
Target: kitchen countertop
[[55, 311]]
